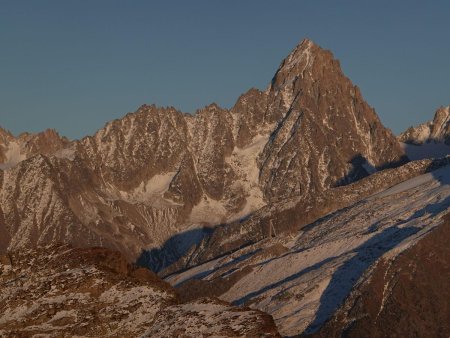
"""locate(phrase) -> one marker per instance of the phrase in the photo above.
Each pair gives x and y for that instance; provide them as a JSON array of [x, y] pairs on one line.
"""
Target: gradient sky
[[74, 65]]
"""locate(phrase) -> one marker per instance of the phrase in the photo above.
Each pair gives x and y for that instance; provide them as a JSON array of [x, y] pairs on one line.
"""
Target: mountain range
[[285, 204]]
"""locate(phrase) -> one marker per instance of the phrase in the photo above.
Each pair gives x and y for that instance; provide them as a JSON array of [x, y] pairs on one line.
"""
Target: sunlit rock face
[[437, 130], [430, 139], [156, 173]]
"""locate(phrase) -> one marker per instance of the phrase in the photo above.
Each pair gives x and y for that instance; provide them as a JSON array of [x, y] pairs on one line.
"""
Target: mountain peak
[[442, 113], [306, 50], [307, 44], [302, 52], [5, 133], [304, 62]]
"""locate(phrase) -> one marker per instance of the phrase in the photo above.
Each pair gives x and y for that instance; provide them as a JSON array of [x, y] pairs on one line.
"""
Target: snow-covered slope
[[302, 277], [402, 296]]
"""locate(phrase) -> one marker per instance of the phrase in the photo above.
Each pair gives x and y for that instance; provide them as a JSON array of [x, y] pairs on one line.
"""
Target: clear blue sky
[[74, 65]]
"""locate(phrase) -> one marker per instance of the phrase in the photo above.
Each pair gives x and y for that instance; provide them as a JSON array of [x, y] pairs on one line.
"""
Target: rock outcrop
[[437, 130], [59, 291], [16, 149]]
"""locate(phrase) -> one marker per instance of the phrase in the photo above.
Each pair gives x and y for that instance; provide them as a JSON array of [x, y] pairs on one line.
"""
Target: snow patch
[[208, 210], [13, 155], [152, 191], [244, 163], [67, 153], [159, 184]]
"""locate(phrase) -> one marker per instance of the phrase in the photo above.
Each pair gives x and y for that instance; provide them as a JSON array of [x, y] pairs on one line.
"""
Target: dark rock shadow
[[427, 150], [357, 172], [362, 168], [157, 259], [348, 274]]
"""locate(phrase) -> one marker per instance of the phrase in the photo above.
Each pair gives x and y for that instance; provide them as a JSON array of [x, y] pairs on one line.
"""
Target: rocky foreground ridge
[[59, 291]]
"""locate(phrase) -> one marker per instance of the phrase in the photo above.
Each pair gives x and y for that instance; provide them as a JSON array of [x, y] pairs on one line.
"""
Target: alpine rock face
[[158, 172], [15, 149], [437, 130], [328, 135], [430, 139]]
